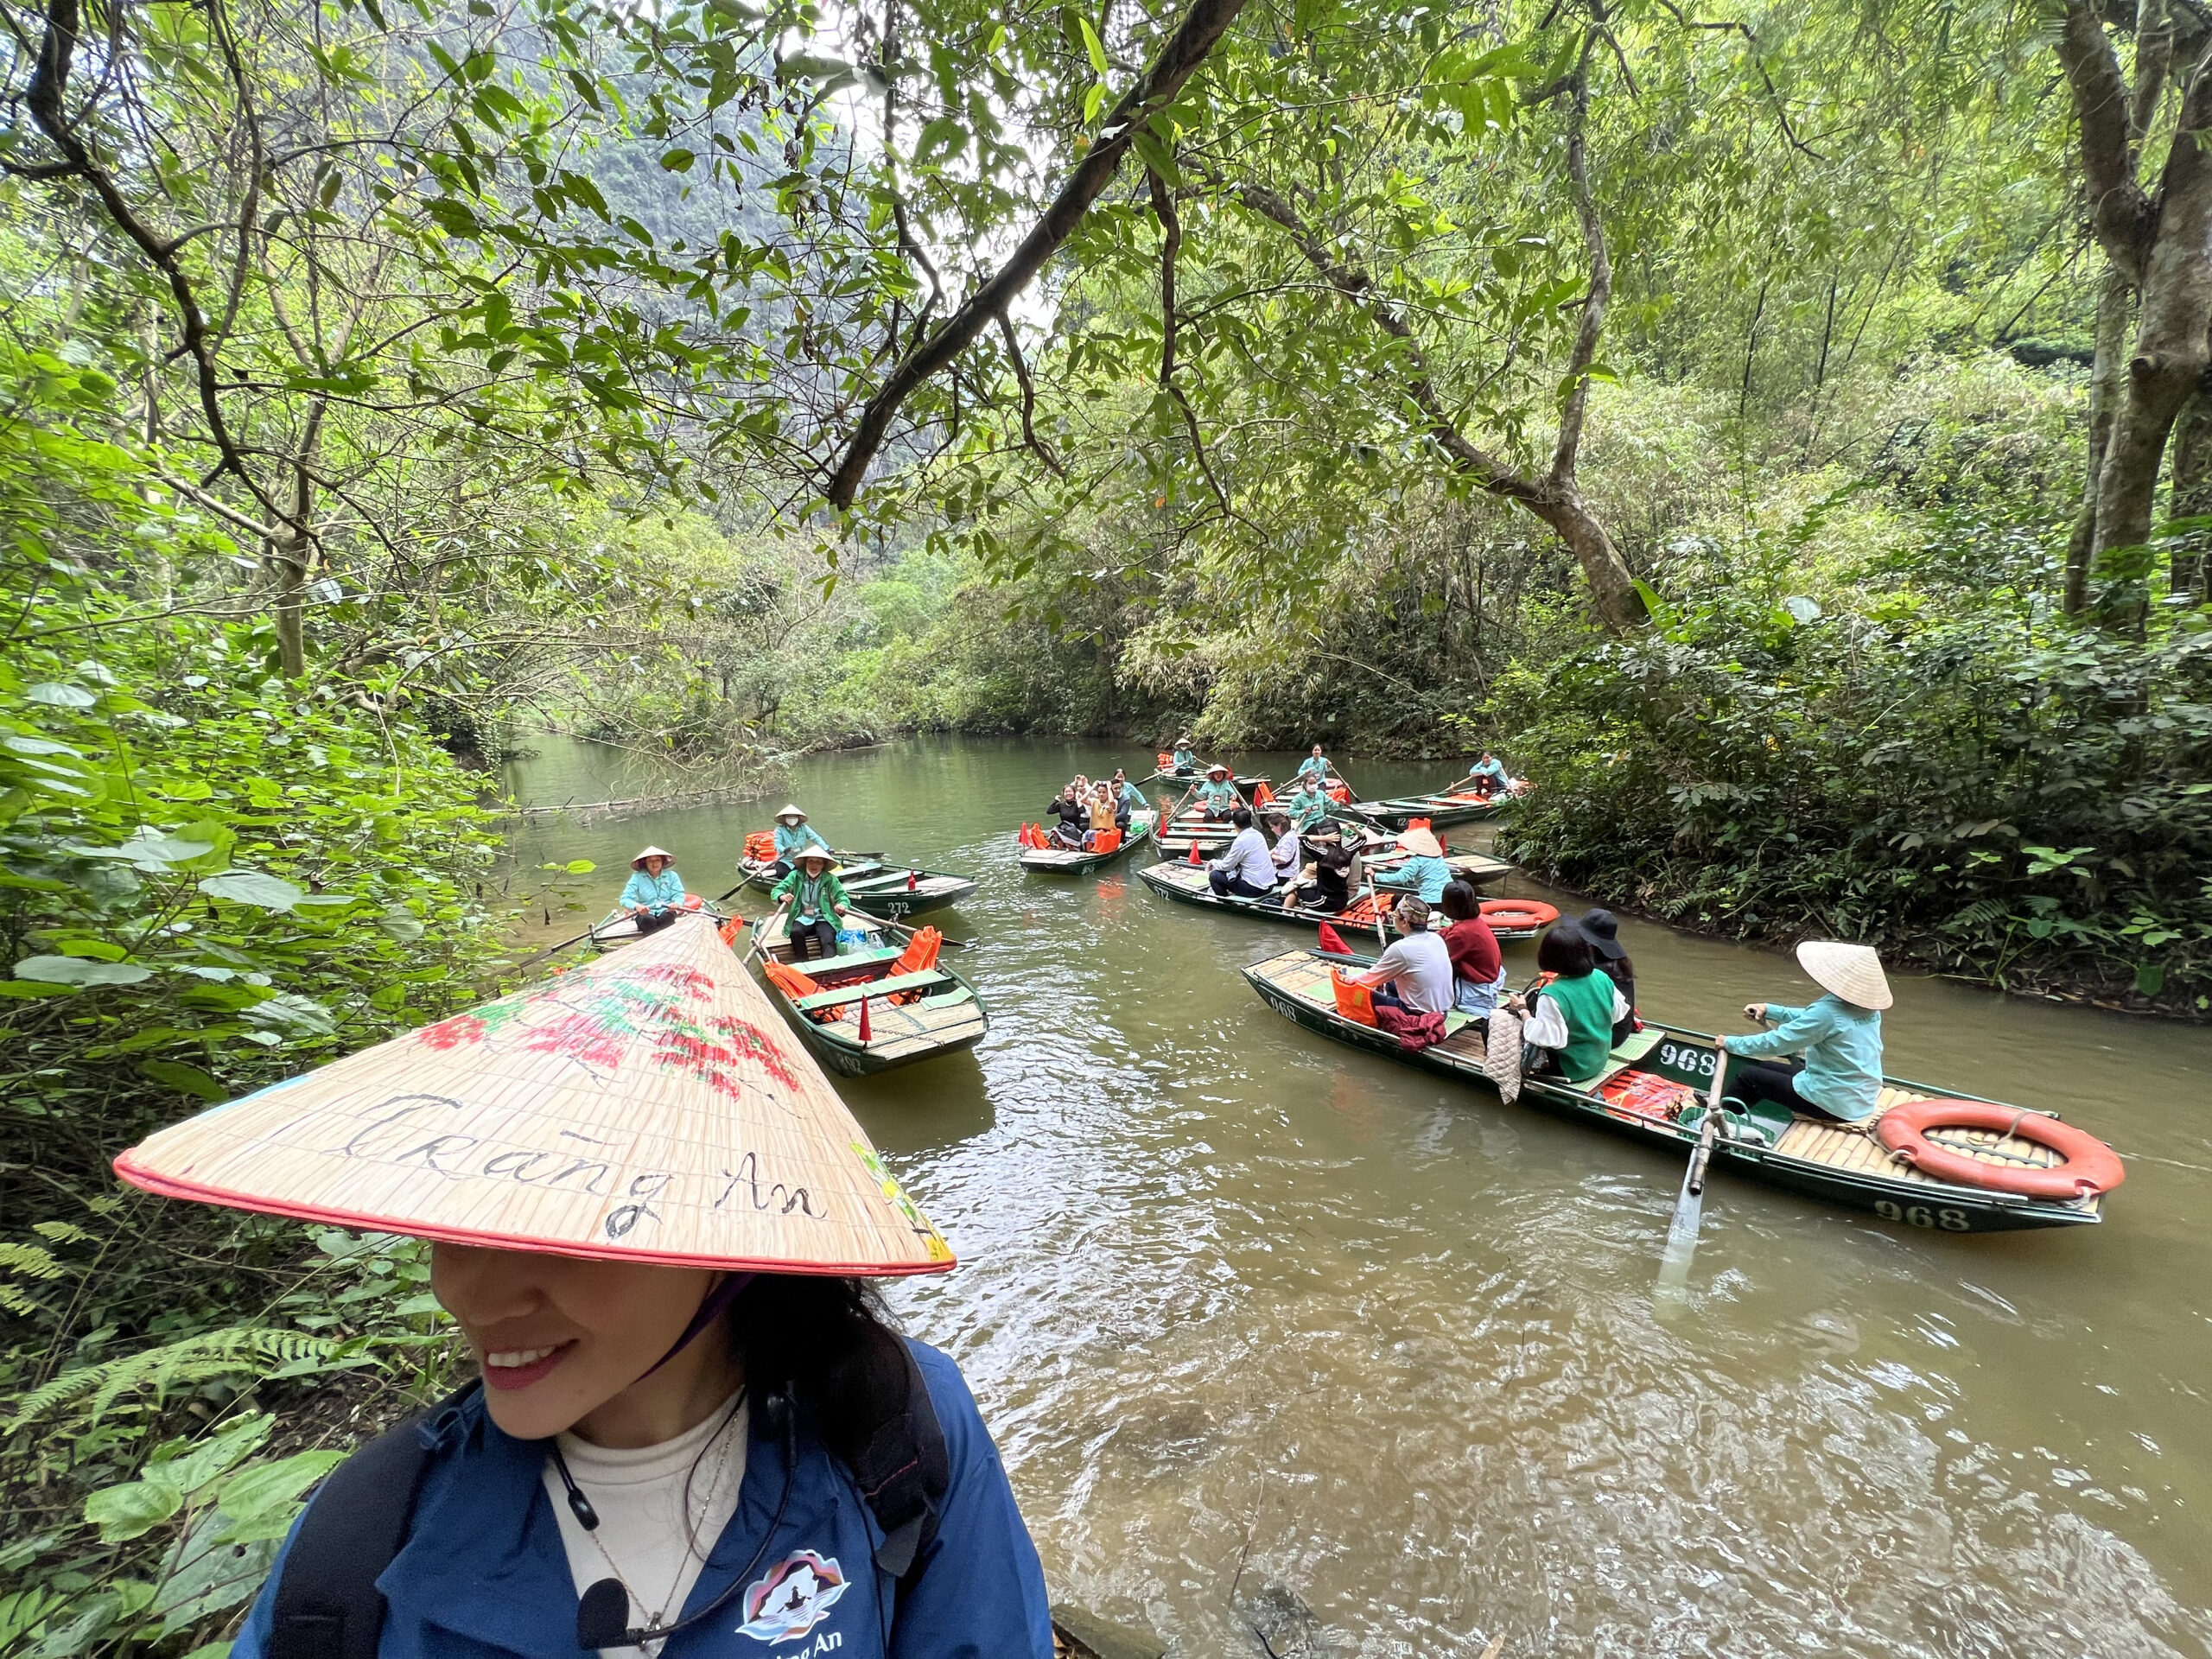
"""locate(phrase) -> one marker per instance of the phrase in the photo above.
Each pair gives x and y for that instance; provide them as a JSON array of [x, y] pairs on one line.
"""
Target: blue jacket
[[794, 840], [484, 1572], [1315, 767], [1420, 874], [1842, 1045], [664, 891]]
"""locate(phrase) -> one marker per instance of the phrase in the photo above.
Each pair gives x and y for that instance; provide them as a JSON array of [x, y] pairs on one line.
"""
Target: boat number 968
[[1919, 1215], [1697, 1061]]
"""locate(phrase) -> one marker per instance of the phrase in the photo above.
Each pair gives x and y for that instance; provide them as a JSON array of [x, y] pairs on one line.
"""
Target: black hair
[[830, 1346], [1242, 817], [1459, 903], [1566, 951]]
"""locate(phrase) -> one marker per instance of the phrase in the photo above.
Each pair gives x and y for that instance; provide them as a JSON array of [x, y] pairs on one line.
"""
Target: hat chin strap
[[712, 1306]]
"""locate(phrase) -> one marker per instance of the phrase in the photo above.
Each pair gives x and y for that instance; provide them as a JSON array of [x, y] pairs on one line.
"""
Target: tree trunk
[[287, 565], [2192, 491], [2114, 296]]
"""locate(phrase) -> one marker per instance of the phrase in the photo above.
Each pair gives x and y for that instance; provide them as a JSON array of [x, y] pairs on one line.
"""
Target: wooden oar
[[590, 932], [1690, 1207]]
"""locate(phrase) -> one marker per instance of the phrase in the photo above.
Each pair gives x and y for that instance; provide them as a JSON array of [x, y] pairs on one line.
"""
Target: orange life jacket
[[760, 846], [1353, 1002], [919, 956]]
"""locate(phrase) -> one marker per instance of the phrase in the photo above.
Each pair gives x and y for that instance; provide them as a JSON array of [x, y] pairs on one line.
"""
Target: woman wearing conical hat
[[1218, 795], [818, 903], [1184, 757], [654, 892], [692, 1421], [793, 836], [1840, 1036], [1424, 873]]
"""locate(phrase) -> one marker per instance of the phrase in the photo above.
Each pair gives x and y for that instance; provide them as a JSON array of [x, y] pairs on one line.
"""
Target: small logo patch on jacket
[[792, 1597]]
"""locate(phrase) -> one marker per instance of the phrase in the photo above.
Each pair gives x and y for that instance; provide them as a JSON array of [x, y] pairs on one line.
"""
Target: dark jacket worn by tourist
[[484, 1572]]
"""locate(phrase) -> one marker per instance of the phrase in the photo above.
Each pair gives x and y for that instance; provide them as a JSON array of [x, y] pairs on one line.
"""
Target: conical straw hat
[[791, 812], [638, 862], [1854, 972], [1420, 844], [650, 1107]]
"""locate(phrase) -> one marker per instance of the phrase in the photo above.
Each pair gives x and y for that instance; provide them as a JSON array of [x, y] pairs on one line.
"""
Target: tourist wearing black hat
[[1603, 930]]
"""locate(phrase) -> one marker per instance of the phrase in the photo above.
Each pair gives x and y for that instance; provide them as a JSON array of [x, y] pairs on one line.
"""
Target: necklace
[[696, 1510]]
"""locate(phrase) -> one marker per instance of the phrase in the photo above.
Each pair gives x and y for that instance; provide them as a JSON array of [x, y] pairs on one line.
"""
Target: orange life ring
[[1515, 914], [2090, 1167]]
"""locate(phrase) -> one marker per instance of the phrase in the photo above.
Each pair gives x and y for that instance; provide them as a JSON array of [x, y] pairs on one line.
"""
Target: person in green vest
[[1586, 1002], [817, 899], [654, 892], [1306, 804], [1315, 767], [1185, 759], [1840, 1036], [793, 836], [1218, 795]]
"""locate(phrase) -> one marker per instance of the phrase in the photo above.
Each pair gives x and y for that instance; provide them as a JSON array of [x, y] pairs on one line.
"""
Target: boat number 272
[[1697, 1062]]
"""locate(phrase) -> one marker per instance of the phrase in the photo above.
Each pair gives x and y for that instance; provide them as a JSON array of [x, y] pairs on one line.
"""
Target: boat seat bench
[[850, 961], [860, 989]]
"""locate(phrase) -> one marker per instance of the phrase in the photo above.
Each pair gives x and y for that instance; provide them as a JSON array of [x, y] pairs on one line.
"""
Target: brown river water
[[1277, 1335]]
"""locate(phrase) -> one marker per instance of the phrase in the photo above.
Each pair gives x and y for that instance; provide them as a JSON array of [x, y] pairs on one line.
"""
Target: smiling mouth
[[518, 1368]]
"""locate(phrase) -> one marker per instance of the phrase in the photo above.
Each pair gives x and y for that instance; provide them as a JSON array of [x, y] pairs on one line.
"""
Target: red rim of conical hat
[[650, 1106]]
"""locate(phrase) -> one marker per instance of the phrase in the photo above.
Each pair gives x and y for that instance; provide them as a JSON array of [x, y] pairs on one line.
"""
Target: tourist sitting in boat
[[1218, 795], [1586, 1004], [818, 900], [1424, 873], [1603, 930], [1245, 871], [654, 892], [1186, 758], [1073, 817], [1101, 815], [1489, 776], [1287, 855], [1477, 965], [1415, 972], [794, 835], [1314, 769], [1128, 800], [1334, 871], [1840, 1036], [1306, 804]]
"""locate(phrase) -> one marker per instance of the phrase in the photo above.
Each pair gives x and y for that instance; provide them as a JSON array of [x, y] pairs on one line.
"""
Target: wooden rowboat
[[948, 1016], [1442, 810], [1196, 774], [880, 886], [619, 927], [1174, 837], [1662, 1069], [1186, 883], [1068, 861]]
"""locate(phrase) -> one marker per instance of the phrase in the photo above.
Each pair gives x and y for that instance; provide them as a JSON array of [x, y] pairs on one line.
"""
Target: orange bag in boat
[[730, 931], [760, 846], [1340, 793], [1107, 841], [919, 956], [1262, 795], [1353, 1002]]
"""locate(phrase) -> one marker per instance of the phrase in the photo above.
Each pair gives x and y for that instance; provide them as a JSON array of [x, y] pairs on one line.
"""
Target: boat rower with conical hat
[[654, 894], [794, 835], [1840, 1036], [652, 1220], [1218, 795]]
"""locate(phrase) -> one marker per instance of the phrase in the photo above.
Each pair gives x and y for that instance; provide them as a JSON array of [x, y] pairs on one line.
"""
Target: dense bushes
[[209, 878], [2000, 792]]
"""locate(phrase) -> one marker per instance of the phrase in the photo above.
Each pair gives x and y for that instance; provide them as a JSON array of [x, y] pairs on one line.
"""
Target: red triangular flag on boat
[[1193, 859], [1333, 941], [864, 1031]]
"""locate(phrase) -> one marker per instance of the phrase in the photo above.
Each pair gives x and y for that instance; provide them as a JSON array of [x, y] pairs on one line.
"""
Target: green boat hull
[[1928, 1205]]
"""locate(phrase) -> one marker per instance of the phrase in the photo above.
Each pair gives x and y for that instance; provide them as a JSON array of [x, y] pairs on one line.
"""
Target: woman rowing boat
[[654, 894], [1840, 1036]]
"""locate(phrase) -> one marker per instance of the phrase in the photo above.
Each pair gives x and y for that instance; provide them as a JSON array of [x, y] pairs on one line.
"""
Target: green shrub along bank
[[1988, 789], [210, 878]]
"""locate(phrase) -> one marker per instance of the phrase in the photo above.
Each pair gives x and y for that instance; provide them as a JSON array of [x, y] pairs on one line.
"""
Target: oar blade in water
[[1690, 1206]]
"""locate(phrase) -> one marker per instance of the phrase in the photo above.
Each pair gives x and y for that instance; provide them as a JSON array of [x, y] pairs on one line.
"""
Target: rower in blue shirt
[[1218, 795], [1425, 873], [794, 835], [1316, 767], [1185, 759], [1840, 1036], [654, 892]]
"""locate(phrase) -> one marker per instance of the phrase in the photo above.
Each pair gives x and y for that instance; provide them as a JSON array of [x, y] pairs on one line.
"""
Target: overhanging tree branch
[[1202, 27]]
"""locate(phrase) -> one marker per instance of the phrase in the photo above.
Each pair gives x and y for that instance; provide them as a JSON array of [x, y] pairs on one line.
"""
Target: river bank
[[1247, 1309]]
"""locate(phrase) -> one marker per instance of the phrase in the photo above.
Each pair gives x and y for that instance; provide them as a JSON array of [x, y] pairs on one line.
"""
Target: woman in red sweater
[[1478, 969]]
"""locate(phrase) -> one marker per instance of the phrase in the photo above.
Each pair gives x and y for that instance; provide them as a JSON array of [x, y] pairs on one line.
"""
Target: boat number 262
[[1698, 1062]]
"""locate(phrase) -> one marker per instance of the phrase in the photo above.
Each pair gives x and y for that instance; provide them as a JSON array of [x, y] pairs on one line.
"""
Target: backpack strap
[[328, 1605], [902, 1471]]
